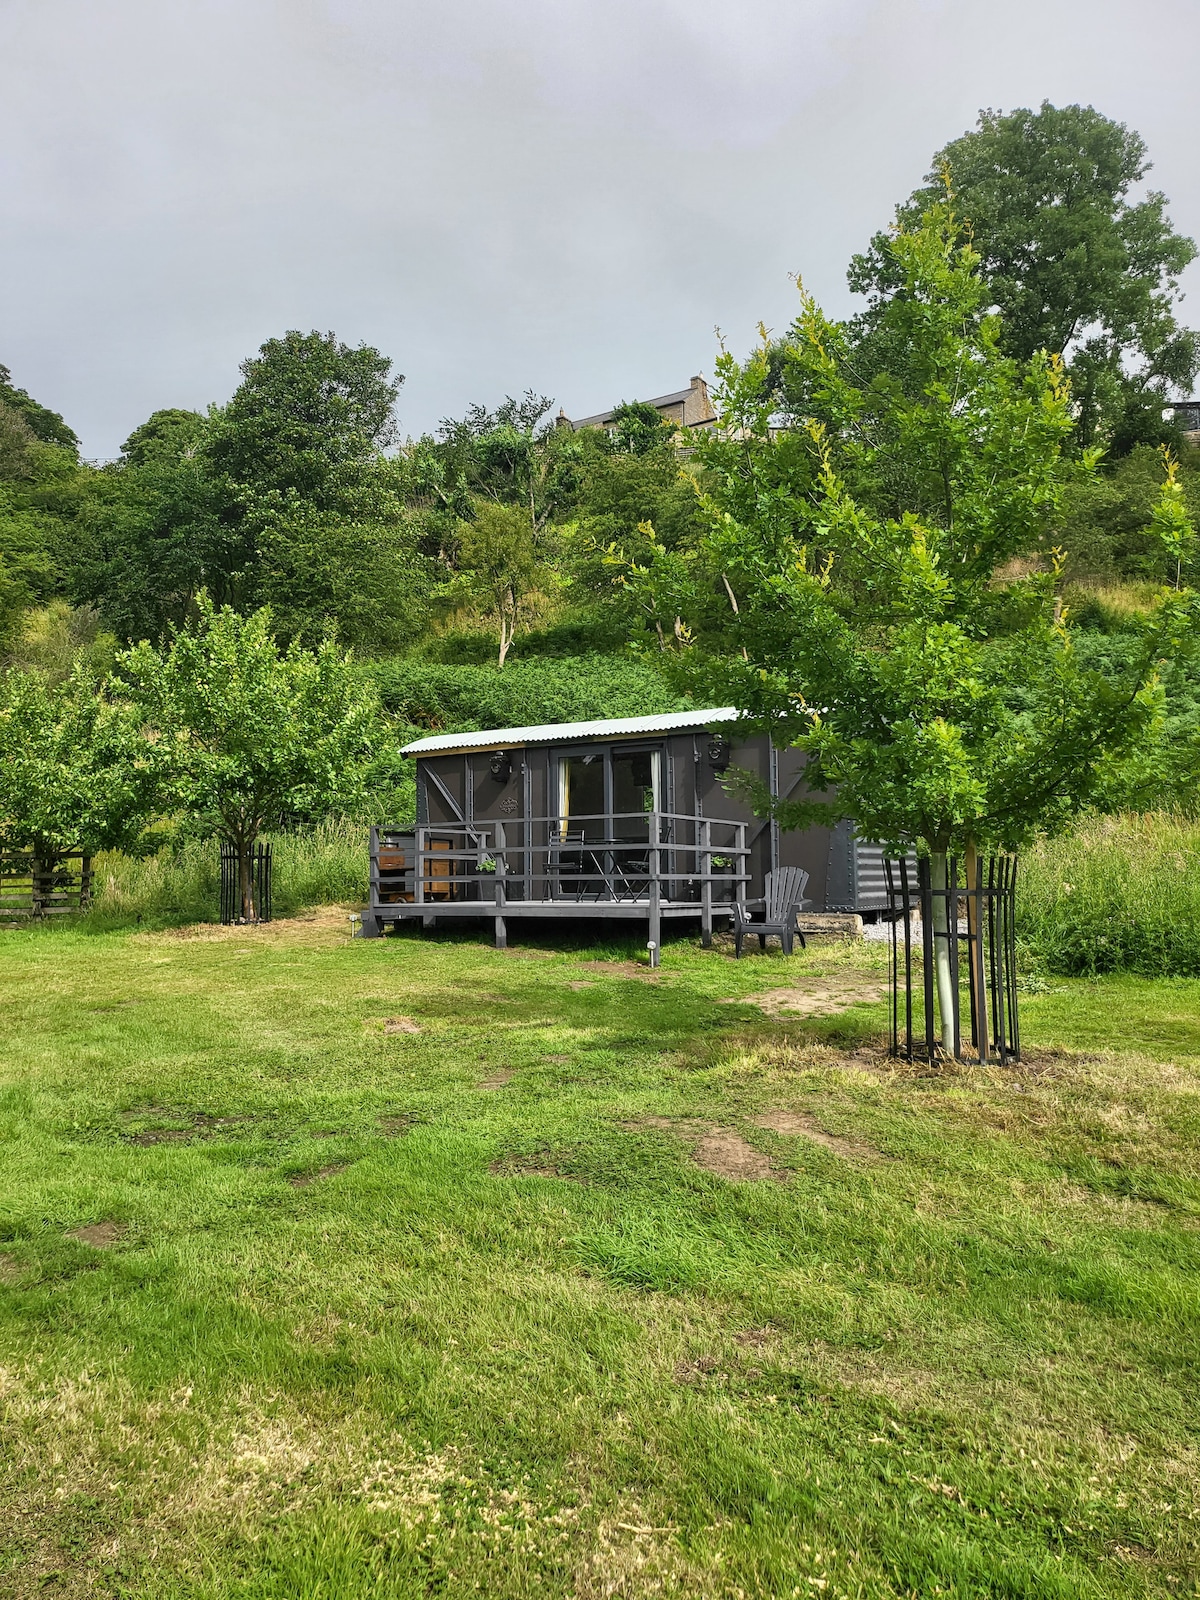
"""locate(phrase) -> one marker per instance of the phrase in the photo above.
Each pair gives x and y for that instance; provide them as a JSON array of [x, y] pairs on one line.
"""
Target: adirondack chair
[[782, 903]]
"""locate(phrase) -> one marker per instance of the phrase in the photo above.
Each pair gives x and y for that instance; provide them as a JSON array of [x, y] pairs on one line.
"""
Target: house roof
[[600, 417], [553, 732]]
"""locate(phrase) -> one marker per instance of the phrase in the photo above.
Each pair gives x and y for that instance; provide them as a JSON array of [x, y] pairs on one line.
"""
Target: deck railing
[[630, 858]]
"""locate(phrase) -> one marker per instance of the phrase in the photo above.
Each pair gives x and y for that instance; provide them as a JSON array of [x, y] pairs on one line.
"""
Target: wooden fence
[[31, 888]]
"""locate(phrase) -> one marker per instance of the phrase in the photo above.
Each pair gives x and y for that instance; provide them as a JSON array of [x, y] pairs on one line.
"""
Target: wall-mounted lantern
[[719, 752], [500, 766]]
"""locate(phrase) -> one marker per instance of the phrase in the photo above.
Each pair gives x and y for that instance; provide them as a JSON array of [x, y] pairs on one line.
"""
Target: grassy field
[[334, 1268]]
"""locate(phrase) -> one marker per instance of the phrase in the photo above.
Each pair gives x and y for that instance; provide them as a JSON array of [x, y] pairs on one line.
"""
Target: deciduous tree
[[873, 627], [1074, 260], [246, 731], [498, 566], [75, 774]]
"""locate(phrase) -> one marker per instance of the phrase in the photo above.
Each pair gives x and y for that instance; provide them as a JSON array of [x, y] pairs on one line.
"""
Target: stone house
[[689, 408]]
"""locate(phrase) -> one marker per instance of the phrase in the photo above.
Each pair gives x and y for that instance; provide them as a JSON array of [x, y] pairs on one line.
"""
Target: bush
[[432, 696], [1119, 894]]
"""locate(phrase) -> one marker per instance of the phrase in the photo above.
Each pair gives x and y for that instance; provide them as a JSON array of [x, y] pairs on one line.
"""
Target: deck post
[[428, 919], [706, 926], [501, 859], [655, 937]]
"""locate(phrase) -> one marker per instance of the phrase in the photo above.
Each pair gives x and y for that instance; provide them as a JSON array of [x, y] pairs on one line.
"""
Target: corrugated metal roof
[[552, 732]]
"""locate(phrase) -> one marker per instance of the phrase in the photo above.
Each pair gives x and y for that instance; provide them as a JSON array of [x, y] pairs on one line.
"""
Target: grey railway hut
[[625, 818]]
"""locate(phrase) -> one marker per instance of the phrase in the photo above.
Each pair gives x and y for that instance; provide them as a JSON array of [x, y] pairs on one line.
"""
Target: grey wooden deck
[[648, 867]]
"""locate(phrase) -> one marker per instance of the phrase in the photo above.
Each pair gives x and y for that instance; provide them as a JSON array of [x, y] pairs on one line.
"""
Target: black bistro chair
[[782, 904]]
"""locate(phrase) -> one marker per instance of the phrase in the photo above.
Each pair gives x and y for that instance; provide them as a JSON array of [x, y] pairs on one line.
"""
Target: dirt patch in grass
[[11, 1270], [319, 925], [301, 1180], [696, 1371], [581, 983], [393, 1025], [817, 996], [755, 1338], [200, 1125], [496, 1080], [728, 1155], [558, 1058], [100, 1235], [622, 969], [534, 1166], [396, 1125], [722, 1151], [800, 1125]]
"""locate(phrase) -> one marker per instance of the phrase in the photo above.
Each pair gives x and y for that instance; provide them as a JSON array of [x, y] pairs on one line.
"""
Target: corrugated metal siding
[[871, 882]]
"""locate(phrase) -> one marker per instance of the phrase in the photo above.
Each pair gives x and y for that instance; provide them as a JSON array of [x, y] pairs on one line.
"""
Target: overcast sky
[[567, 195]]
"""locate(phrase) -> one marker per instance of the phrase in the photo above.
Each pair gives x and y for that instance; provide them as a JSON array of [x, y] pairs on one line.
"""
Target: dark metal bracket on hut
[[624, 818]]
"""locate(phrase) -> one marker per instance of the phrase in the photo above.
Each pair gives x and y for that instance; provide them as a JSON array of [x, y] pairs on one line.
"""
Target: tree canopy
[[75, 774], [1073, 259], [308, 411], [43, 423], [869, 621]]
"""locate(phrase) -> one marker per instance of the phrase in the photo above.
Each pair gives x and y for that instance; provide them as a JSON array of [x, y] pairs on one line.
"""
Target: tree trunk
[[507, 611], [976, 920], [942, 934], [246, 880], [41, 870]]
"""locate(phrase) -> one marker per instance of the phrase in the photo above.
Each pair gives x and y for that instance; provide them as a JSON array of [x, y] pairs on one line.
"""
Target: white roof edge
[[548, 732]]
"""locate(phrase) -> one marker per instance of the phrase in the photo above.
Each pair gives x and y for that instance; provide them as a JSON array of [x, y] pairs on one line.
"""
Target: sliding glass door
[[606, 796]]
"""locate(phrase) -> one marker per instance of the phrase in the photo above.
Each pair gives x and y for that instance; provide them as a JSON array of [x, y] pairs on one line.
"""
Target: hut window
[[634, 786]]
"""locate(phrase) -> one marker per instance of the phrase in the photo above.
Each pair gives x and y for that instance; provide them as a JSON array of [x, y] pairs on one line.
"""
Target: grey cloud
[[552, 193]]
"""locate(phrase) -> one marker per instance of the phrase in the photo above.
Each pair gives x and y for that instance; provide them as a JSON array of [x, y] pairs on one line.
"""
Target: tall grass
[[1118, 894], [323, 865]]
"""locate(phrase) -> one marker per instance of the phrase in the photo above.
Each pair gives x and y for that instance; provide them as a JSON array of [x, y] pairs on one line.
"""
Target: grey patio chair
[[782, 904]]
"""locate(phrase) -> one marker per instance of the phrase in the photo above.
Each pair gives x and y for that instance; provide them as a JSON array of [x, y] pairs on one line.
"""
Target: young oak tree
[[246, 732], [864, 555], [75, 773]]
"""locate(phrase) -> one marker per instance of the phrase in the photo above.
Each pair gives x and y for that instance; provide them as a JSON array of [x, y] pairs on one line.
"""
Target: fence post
[[38, 891], [975, 931], [990, 937]]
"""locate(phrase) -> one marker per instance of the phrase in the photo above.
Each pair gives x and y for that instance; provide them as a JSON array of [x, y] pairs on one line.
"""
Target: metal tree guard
[[975, 923], [231, 884]]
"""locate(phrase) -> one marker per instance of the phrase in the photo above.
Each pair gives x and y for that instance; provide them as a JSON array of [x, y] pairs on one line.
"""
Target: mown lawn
[[357, 1313]]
